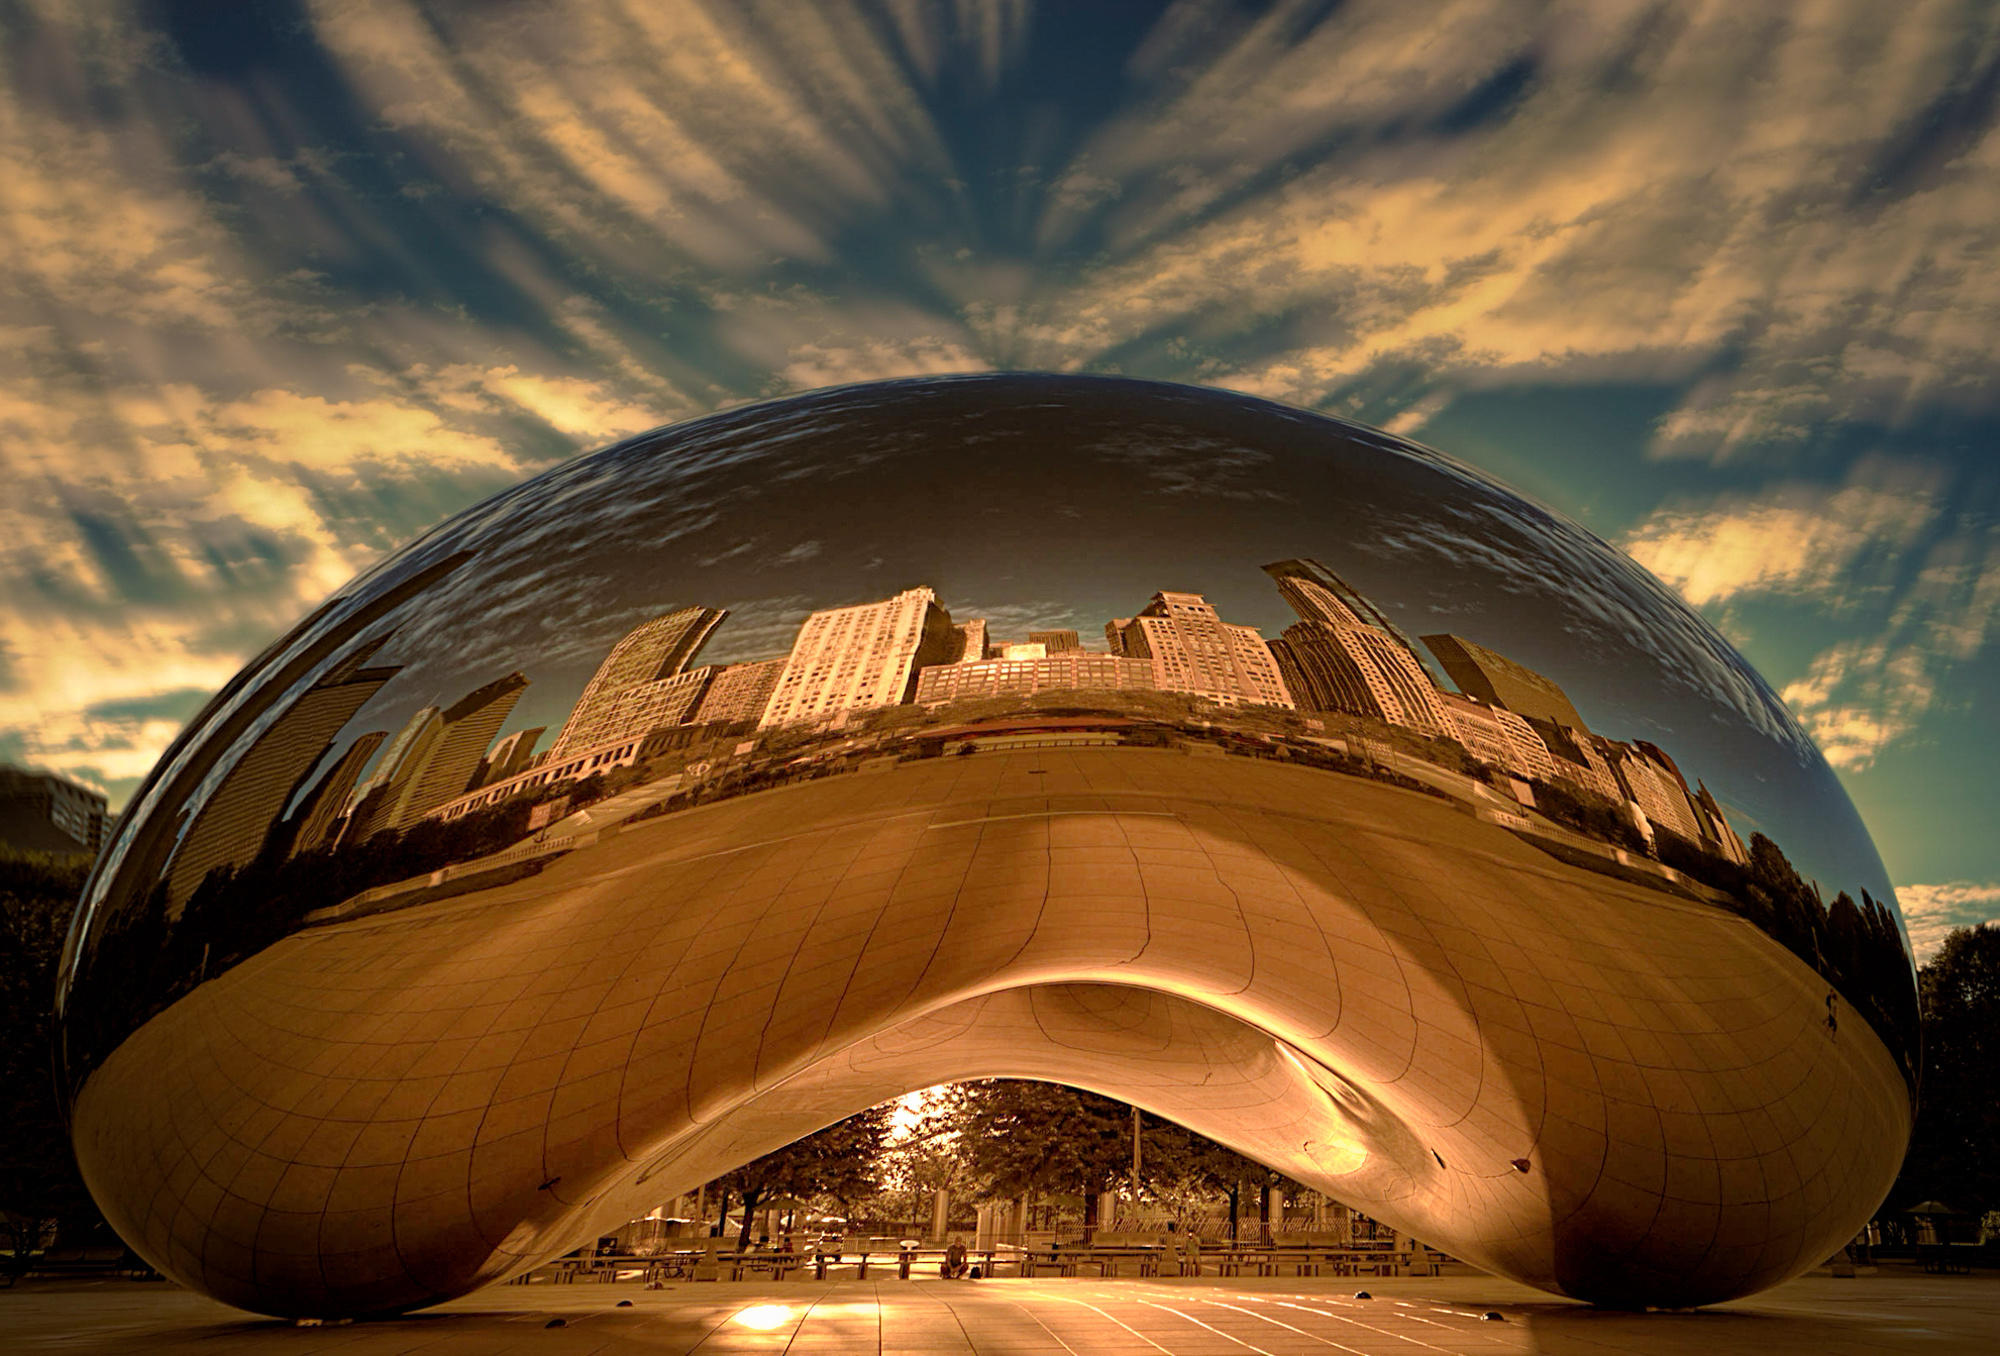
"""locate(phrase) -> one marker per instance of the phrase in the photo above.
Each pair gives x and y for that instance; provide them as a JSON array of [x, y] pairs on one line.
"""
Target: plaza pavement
[[1895, 1310]]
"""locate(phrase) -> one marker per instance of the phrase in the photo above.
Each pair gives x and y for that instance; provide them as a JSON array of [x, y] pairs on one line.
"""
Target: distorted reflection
[[1047, 577]]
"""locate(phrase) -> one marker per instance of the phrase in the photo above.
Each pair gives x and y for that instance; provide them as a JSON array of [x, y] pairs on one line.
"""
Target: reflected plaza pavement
[[1812, 1316]]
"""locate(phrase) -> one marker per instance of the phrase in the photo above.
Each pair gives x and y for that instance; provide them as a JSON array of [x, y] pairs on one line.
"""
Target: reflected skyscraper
[[509, 756], [740, 692], [319, 814], [1499, 681], [642, 682], [973, 649], [1070, 669], [464, 731], [1496, 735], [855, 658], [384, 801], [234, 823], [1343, 641], [1193, 650]]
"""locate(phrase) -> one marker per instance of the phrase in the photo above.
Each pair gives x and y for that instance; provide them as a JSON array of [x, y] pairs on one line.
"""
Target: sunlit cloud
[[1795, 537]]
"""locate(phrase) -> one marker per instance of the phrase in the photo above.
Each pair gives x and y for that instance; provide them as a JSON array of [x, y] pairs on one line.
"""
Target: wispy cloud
[[1794, 537], [1860, 696]]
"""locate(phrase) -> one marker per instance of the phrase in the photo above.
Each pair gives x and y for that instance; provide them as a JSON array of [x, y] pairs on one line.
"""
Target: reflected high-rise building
[[1316, 593], [856, 658], [1499, 681], [464, 731], [509, 756], [640, 680], [1320, 674], [234, 822], [974, 647], [1344, 645], [636, 711], [1496, 735], [383, 800], [318, 816], [739, 693], [1010, 677], [1193, 650], [1720, 834]]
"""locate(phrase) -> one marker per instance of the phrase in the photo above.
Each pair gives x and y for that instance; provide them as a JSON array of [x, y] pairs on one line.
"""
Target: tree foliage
[[1952, 1152], [39, 1183], [840, 1161], [1023, 1138]]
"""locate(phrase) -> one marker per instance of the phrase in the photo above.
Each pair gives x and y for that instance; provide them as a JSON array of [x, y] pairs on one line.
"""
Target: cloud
[[1860, 696], [1792, 538], [1932, 912], [1895, 547]]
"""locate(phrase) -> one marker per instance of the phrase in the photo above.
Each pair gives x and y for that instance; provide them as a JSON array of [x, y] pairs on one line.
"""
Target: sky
[[283, 285]]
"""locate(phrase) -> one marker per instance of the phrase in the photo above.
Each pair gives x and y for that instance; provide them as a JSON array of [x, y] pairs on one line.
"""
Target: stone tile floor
[[1892, 1311]]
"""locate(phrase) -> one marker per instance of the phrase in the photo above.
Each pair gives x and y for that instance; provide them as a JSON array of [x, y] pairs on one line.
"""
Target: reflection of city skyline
[[1343, 656], [1342, 689]]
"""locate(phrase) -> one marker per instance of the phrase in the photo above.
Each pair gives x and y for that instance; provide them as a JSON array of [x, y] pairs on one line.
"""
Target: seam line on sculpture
[[1050, 814]]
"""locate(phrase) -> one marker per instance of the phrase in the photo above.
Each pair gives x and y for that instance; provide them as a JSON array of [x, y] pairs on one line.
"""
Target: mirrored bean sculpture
[[1282, 777]]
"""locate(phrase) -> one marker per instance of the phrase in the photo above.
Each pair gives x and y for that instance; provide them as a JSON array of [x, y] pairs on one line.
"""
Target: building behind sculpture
[[44, 812], [235, 820], [1056, 642], [636, 680], [1192, 650], [1021, 677], [862, 657]]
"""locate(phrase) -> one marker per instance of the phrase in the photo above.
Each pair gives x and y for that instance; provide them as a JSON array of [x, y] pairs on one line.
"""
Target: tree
[[1025, 1138], [839, 1161], [1952, 1152], [929, 1157], [40, 1188]]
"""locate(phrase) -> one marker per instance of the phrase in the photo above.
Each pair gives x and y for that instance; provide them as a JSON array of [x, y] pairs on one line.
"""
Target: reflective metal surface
[[1283, 777]]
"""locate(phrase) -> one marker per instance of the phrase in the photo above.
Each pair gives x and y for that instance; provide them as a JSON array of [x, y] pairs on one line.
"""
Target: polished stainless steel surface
[[1278, 775]]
